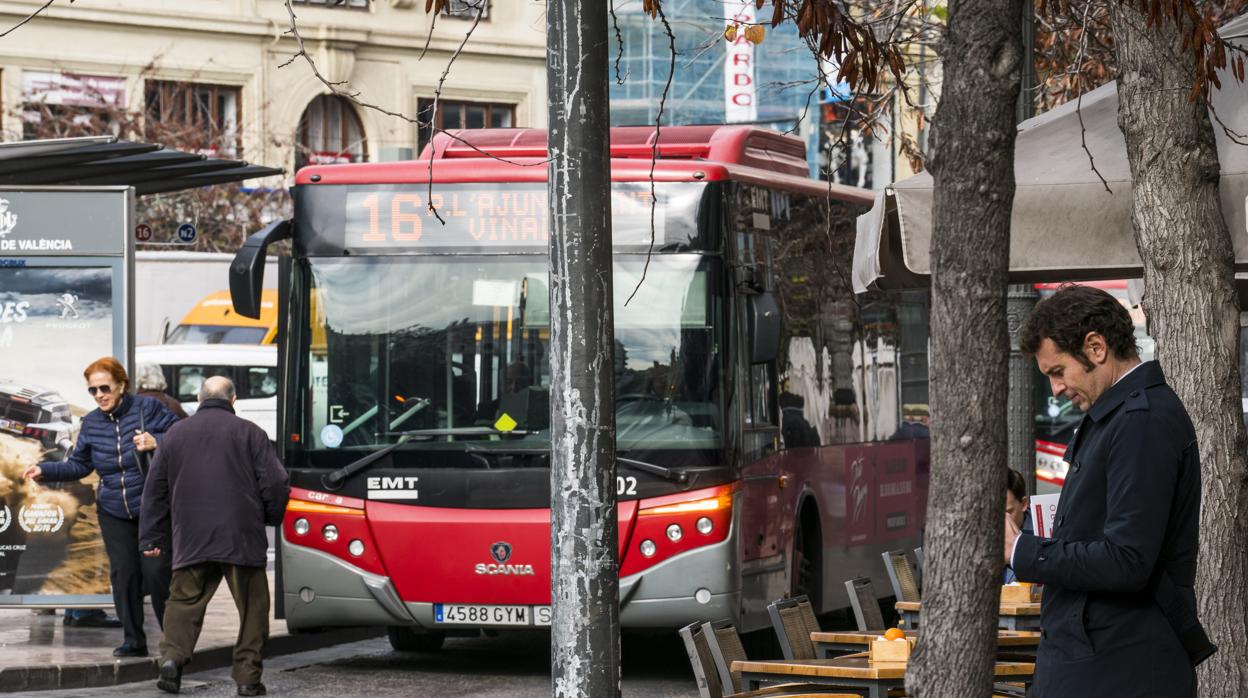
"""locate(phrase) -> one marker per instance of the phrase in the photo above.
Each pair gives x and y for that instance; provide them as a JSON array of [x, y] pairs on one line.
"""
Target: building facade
[[226, 72], [771, 83]]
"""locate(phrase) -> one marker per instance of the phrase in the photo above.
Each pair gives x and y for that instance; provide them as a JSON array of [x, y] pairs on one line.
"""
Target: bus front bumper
[[322, 591]]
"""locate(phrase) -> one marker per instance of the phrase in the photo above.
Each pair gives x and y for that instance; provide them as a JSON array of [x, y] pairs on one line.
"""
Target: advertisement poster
[[54, 321]]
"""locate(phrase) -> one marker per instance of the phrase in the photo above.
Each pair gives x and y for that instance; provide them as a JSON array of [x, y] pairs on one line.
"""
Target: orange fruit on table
[[894, 634]]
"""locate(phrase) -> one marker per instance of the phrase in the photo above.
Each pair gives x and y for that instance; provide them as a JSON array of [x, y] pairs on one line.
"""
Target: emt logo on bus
[[478, 215]]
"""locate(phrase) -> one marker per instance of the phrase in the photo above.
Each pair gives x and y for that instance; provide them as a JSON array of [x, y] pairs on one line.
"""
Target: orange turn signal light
[[723, 501], [298, 505]]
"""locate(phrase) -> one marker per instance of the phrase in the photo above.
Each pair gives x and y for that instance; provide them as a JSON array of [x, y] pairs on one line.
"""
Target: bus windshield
[[453, 352]]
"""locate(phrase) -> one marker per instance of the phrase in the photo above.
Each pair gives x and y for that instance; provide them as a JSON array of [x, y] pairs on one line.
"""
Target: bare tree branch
[[437, 98], [433, 22], [1083, 143], [336, 89], [654, 145], [619, 38], [29, 17]]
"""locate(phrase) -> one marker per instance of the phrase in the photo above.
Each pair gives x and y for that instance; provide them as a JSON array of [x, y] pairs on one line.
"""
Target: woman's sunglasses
[[103, 389]]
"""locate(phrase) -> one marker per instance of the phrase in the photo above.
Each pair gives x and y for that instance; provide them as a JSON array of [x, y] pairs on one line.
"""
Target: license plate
[[480, 614], [10, 425]]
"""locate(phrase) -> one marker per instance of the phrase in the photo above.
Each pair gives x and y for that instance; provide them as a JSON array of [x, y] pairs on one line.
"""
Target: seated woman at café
[[1016, 508]]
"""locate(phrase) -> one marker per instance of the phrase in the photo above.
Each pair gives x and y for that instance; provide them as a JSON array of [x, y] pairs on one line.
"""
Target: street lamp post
[[585, 633], [1020, 299]]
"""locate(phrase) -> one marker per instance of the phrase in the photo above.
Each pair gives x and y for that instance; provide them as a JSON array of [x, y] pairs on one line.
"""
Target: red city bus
[[772, 432]]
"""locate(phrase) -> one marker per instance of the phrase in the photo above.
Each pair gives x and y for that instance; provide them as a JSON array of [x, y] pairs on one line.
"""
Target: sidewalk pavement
[[38, 652]]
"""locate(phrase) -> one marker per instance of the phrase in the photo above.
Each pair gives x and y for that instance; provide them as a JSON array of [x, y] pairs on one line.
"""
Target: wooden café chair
[[902, 576], [794, 620], [713, 647], [866, 607]]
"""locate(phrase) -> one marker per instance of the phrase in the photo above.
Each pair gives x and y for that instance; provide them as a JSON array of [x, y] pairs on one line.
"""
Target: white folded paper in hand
[[1043, 509]]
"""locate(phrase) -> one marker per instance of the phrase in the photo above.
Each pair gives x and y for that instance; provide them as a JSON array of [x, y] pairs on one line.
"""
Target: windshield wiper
[[662, 471], [458, 431], [334, 480]]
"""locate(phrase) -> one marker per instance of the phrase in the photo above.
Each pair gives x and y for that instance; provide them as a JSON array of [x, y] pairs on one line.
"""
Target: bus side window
[[261, 382], [190, 378], [188, 382], [762, 400]]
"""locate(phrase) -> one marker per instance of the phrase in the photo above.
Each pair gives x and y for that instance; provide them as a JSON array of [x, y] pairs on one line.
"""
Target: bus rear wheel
[[409, 640]]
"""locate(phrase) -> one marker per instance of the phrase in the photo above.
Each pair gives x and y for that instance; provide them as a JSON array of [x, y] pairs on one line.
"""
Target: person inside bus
[[914, 424], [795, 430], [1016, 508], [121, 466], [517, 399]]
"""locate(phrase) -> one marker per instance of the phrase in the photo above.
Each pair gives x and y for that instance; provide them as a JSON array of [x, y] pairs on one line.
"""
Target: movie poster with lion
[[54, 321]]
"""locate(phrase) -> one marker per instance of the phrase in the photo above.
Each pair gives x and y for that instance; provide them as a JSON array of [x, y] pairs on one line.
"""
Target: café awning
[[1066, 225], [107, 160]]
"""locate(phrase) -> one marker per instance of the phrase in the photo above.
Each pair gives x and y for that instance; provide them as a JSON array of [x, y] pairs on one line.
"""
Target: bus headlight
[[705, 526], [356, 547], [330, 532], [674, 533], [302, 527], [648, 548]]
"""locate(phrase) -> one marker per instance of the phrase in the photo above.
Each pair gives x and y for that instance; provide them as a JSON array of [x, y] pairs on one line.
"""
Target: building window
[[353, 4], [199, 117], [461, 115], [466, 9], [58, 105], [330, 133]]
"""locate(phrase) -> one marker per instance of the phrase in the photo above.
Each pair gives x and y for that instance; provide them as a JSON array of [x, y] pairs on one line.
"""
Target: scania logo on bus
[[501, 552]]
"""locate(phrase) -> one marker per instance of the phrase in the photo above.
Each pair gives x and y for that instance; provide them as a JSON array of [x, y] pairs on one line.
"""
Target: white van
[[253, 368]]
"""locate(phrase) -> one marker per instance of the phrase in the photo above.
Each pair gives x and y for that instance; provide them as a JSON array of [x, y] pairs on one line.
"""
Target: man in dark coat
[[218, 481], [1120, 566]]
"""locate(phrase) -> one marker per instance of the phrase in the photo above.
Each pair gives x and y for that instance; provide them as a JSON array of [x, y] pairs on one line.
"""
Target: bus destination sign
[[496, 215]]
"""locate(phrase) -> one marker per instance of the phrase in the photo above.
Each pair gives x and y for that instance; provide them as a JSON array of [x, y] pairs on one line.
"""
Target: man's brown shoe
[[251, 689], [170, 677]]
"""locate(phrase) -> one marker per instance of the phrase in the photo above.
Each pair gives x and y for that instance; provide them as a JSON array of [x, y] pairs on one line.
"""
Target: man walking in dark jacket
[[218, 481], [1119, 609]]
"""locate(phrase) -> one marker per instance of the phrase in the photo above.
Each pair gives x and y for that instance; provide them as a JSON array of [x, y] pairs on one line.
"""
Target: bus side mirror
[[247, 269], [764, 316]]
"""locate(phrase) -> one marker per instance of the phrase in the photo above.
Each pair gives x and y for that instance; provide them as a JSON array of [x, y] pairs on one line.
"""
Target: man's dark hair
[[1016, 484], [1070, 314]]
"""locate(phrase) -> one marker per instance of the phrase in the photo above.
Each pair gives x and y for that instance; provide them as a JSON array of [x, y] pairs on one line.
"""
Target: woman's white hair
[[151, 377]]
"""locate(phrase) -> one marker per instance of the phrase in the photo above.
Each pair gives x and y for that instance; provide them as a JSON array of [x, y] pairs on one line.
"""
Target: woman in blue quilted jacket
[[110, 443]]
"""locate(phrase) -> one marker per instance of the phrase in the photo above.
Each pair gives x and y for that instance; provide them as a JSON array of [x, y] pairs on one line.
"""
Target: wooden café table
[[1013, 616], [854, 673], [837, 642]]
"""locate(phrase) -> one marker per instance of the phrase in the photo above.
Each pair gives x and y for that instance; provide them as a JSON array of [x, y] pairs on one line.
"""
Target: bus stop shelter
[[109, 161], [67, 278], [1067, 224]]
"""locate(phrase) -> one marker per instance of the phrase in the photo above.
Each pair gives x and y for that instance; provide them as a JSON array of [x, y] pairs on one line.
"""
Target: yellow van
[[213, 321]]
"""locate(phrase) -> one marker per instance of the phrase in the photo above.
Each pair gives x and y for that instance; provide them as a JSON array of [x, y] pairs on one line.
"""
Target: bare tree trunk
[[1193, 311], [973, 166], [585, 634]]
